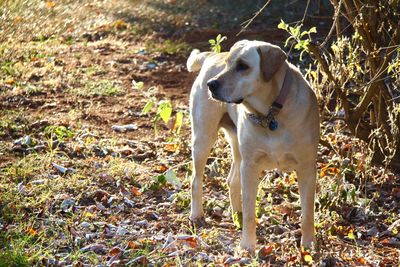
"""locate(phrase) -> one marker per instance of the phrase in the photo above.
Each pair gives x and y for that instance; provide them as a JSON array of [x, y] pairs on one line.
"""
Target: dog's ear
[[271, 58]]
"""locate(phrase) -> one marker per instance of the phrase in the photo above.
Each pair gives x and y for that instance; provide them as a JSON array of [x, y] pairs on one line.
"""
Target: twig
[[248, 22], [334, 23]]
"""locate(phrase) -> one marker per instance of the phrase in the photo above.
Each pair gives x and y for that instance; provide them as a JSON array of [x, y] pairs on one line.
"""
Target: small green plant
[[8, 68], [13, 258], [182, 200], [237, 217], [302, 38], [216, 44], [137, 85], [58, 132], [100, 88], [168, 177], [163, 112], [167, 47]]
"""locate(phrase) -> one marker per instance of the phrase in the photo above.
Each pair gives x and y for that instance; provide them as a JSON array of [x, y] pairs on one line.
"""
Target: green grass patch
[[99, 88], [11, 258], [170, 47]]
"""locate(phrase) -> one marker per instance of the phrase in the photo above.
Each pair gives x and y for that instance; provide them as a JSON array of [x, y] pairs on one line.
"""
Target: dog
[[270, 117]]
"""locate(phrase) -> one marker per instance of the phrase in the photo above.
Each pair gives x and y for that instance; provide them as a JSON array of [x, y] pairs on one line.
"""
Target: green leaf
[[312, 30], [390, 68], [165, 110], [170, 176], [288, 39], [211, 41], [350, 235], [137, 85], [147, 107], [308, 258], [218, 38], [238, 219], [295, 31], [282, 25], [178, 122]]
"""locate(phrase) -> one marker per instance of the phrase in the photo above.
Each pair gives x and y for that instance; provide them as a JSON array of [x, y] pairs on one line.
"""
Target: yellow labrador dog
[[270, 116]]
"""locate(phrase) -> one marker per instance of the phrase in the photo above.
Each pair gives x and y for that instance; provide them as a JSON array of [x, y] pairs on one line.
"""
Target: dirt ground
[[76, 190]]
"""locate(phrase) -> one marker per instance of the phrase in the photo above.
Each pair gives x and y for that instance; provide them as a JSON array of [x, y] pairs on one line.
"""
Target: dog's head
[[248, 65]]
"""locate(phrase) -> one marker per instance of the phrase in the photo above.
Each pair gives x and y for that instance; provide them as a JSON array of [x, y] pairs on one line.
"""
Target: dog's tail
[[196, 60]]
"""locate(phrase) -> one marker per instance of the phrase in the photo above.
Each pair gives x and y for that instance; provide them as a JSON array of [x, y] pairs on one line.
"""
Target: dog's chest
[[273, 151]]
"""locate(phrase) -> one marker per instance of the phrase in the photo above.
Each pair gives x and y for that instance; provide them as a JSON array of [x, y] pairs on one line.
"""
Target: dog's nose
[[213, 85]]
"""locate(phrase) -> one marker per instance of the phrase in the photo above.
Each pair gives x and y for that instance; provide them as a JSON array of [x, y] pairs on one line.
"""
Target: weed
[[13, 258], [33, 90], [216, 44], [137, 85], [59, 133], [119, 167], [163, 112], [8, 69], [99, 88], [94, 70], [182, 200], [169, 47], [302, 38]]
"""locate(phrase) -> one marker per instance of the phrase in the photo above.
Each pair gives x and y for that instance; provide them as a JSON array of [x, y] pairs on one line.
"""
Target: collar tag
[[268, 121]]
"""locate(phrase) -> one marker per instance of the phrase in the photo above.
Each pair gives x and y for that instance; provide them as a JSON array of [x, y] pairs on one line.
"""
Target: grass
[[170, 47], [99, 88], [13, 258]]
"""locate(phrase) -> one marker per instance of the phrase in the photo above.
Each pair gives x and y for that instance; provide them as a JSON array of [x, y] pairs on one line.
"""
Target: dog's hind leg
[[307, 180], [205, 127], [233, 179]]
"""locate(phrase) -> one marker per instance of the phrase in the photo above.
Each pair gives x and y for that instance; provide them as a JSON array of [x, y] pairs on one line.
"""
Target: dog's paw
[[237, 218], [245, 251], [198, 222]]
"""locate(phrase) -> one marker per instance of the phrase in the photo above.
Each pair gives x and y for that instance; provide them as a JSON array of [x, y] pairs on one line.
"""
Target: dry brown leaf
[[51, 4], [161, 168], [135, 191], [171, 147], [190, 241], [132, 245], [114, 251]]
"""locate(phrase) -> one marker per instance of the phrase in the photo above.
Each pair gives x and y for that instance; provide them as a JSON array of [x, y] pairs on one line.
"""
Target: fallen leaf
[[18, 19], [190, 241], [96, 248], [362, 261], [161, 168], [171, 147], [10, 81], [120, 24], [308, 258], [51, 4], [32, 231], [135, 191], [132, 245], [351, 235], [265, 251], [114, 251]]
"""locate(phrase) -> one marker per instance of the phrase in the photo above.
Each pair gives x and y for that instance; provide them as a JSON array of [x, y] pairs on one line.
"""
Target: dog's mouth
[[239, 101], [217, 97]]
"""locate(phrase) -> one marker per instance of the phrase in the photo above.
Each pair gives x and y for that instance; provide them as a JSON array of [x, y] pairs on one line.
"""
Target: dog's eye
[[241, 66]]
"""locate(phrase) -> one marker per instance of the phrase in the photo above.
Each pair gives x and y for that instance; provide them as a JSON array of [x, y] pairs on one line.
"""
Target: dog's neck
[[261, 101]]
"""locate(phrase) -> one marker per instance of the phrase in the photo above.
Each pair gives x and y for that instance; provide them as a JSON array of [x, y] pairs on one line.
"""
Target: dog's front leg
[[307, 181], [249, 181], [202, 143]]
